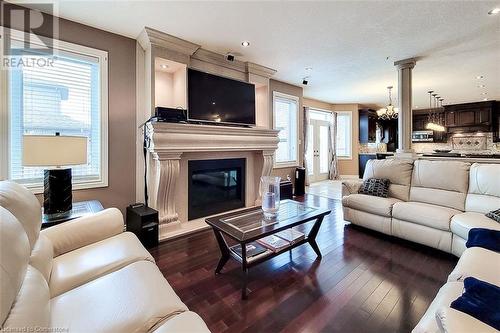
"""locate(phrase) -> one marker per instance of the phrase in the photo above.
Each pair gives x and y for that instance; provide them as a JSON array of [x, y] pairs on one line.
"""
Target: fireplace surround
[[172, 146]]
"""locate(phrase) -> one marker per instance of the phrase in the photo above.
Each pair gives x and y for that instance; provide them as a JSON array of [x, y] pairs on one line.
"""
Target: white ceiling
[[350, 45]]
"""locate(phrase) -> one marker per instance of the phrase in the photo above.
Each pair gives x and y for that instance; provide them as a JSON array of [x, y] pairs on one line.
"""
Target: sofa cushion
[[442, 183], [87, 263], [31, 308], [479, 263], [398, 171], [452, 321], [370, 204], [14, 256], [484, 188], [447, 294], [135, 298], [433, 216], [24, 206], [188, 322], [462, 223]]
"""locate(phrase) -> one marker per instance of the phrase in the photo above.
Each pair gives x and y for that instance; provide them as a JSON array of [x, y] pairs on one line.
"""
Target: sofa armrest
[[85, 230], [351, 186], [452, 321]]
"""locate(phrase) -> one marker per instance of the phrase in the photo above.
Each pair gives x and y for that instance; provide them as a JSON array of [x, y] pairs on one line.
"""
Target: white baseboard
[[349, 177]]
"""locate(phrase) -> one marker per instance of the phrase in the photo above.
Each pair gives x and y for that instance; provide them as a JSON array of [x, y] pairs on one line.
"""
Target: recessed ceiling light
[[481, 86], [479, 77], [484, 93], [164, 66], [309, 69], [494, 11], [485, 99], [245, 43], [416, 106]]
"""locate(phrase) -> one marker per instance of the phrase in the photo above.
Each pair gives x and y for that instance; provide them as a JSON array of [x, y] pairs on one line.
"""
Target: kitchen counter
[[389, 153], [461, 158]]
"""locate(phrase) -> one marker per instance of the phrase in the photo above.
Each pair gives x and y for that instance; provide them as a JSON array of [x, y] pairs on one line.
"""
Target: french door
[[317, 153]]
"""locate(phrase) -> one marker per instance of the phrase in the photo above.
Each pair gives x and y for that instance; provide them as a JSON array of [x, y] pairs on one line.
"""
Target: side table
[[80, 209]]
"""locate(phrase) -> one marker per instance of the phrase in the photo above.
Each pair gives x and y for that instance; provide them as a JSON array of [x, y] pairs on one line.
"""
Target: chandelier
[[389, 112], [435, 119]]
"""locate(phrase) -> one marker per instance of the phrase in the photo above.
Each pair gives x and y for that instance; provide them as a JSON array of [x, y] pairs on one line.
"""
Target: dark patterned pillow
[[376, 187], [494, 215]]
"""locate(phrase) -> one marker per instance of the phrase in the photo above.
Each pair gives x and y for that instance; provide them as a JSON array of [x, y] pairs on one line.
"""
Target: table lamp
[[55, 152]]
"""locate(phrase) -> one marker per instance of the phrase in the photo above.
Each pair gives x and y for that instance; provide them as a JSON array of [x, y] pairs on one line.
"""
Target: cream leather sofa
[[86, 275], [445, 200], [434, 203]]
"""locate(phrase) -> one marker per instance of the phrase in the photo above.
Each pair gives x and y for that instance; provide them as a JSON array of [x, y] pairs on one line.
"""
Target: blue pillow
[[480, 300], [485, 238]]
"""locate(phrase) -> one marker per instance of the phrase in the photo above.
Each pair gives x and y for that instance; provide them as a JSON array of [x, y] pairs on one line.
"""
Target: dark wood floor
[[366, 282]]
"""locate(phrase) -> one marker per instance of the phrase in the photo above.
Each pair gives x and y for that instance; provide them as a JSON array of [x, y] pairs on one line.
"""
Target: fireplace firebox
[[215, 186]]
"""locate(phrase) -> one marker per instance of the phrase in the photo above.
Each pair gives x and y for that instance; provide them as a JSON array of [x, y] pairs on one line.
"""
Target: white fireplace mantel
[[167, 143]]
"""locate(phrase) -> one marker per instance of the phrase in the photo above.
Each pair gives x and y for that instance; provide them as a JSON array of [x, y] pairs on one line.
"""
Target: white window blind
[[344, 136], [65, 97], [285, 120]]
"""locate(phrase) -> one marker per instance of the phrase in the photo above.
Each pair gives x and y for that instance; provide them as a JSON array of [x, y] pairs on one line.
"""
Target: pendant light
[[434, 118], [389, 112]]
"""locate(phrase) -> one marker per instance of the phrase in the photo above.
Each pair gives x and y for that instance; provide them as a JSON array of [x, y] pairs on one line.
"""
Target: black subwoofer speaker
[[300, 181], [57, 195]]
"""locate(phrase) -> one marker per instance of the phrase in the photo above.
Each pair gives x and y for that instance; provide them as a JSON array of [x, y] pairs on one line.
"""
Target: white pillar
[[405, 68]]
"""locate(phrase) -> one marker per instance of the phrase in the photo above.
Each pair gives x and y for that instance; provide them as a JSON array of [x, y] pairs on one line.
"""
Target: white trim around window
[[348, 135], [293, 133], [79, 52]]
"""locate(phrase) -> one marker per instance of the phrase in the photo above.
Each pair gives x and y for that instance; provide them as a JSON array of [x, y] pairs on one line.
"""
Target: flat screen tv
[[212, 98]]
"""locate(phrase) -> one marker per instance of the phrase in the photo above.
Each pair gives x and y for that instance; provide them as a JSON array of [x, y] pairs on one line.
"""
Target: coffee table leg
[[244, 270], [312, 236], [224, 250]]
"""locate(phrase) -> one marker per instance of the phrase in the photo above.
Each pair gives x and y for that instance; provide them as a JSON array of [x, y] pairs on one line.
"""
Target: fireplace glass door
[[215, 186]]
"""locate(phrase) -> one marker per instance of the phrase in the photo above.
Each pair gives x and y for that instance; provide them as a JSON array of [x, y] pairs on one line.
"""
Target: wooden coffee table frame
[[221, 230]]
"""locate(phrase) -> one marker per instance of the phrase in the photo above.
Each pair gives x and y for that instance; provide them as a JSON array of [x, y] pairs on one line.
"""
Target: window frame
[[296, 99], [81, 50], [349, 115]]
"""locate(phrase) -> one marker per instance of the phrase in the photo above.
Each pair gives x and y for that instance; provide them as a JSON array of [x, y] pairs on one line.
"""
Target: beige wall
[[350, 167], [289, 89], [121, 110], [347, 167]]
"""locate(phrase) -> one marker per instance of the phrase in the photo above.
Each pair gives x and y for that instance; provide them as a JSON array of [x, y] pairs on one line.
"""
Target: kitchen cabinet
[[367, 125], [471, 115], [420, 120]]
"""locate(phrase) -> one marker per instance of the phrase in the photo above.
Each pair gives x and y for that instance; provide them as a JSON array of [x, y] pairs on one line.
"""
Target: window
[[68, 96], [344, 136], [286, 117]]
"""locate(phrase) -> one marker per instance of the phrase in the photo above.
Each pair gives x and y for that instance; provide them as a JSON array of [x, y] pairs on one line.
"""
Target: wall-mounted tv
[[213, 98]]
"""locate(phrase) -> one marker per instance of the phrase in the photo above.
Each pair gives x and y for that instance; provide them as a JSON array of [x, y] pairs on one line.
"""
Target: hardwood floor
[[366, 282]]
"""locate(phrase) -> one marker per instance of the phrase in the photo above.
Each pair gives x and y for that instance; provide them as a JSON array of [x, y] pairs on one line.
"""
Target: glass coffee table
[[249, 225]]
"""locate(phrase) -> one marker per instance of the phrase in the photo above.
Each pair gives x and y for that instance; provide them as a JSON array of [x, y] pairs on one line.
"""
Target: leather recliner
[[85, 275]]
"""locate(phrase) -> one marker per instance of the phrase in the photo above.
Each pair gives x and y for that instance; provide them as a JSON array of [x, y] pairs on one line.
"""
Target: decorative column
[[267, 167], [166, 173], [405, 68]]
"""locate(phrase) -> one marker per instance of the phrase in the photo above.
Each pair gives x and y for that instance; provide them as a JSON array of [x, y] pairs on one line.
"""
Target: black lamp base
[[57, 191]]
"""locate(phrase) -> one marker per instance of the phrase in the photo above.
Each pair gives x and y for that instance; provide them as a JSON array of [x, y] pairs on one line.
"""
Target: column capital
[[405, 63]]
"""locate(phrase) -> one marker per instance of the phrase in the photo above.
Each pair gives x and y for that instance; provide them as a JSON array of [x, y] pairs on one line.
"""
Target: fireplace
[[215, 186]]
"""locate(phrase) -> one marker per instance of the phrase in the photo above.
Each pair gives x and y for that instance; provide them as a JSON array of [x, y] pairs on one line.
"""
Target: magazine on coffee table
[[274, 243]]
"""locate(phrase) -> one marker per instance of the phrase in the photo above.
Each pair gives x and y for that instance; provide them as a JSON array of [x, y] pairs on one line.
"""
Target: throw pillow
[[376, 187], [494, 215], [480, 300], [485, 238]]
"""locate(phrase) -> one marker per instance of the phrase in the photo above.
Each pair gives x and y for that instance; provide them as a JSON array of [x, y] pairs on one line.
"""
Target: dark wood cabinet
[[483, 116], [420, 120], [367, 125], [473, 117], [449, 119], [466, 118]]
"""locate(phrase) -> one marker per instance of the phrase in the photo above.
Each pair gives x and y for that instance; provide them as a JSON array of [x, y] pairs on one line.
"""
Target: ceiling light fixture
[[245, 43], [389, 112], [494, 11], [309, 69], [164, 66], [485, 99], [481, 86], [484, 93], [436, 118], [479, 77]]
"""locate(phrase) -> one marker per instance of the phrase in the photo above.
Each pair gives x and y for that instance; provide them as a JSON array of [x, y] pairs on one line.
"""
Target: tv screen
[[218, 99]]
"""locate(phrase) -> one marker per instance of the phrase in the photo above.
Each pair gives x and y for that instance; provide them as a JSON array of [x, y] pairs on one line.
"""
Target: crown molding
[[151, 37]]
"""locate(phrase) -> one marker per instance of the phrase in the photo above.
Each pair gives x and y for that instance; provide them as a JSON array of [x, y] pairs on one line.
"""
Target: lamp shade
[[54, 150]]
